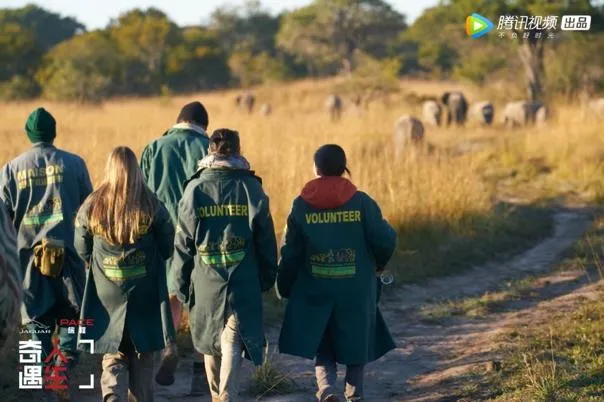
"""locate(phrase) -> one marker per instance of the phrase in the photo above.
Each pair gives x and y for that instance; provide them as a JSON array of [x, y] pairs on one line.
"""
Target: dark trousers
[[326, 372]]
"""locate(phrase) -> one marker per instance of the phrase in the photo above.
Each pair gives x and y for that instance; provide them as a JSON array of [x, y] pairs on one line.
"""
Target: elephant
[[247, 101], [408, 132], [334, 106], [523, 113], [457, 107], [432, 112], [482, 112], [266, 109]]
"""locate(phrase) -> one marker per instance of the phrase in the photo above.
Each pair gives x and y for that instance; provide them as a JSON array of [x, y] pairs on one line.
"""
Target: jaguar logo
[[36, 327]]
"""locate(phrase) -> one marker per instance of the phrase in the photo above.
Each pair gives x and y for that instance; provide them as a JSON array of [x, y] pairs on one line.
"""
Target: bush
[[82, 69], [19, 88]]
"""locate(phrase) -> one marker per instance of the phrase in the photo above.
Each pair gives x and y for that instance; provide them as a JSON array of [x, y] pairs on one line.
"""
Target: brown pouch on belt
[[49, 257]]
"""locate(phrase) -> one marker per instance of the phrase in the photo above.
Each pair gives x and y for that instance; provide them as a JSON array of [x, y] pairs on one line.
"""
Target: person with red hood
[[335, 242]]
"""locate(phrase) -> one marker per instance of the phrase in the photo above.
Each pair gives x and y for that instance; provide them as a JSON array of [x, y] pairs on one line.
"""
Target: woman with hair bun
[[225, 257], [335, 242]]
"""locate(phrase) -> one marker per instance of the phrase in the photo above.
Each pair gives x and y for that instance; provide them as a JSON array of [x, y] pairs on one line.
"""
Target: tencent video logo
[[478, 26]]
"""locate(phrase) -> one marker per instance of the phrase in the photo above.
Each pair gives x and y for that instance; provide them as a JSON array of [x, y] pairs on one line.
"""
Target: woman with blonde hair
[[125, 235]]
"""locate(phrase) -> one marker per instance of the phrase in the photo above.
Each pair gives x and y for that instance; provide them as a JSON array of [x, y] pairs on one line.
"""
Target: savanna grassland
[[446, 205], [481, 194]]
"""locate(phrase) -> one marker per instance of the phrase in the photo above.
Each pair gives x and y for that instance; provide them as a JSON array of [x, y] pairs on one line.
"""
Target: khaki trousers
[[127, 375], [223, 371]]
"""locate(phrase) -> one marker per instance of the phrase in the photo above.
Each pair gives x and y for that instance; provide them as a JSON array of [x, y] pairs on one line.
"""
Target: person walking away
[[225, 257], [167, 163], [11, 294], [335, 241], [42, 190], [125, 235]]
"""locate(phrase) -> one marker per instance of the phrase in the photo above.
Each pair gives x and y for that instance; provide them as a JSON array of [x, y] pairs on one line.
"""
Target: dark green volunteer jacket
[[168, 162], [225, 256], [42, 190], [335, 240], [126, 286], [11, 293]]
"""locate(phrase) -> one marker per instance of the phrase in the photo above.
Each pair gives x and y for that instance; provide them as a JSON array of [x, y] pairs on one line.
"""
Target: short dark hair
[[195, 113], [330, 160], [225, 142]]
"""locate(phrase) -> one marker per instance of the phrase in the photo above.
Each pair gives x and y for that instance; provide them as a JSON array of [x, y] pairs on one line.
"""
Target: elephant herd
[[247, 102], [453, 108]]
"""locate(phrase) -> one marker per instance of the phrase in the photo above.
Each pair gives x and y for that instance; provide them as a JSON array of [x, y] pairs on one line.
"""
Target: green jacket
[[42, 190], [126, 286], [168, 162], [11, 294], [225, 257], [335, 239]]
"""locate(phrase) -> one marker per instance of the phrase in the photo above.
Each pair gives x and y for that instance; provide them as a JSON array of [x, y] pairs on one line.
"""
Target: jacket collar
[[188, 126], [328, 192], [221, 172], [42, 145]]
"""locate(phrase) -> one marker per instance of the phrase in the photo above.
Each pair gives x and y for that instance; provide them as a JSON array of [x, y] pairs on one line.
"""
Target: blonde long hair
[[123, 206]]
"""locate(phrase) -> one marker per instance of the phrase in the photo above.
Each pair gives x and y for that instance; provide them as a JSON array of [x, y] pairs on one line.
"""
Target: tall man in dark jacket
[[167, 163], [42, 190]]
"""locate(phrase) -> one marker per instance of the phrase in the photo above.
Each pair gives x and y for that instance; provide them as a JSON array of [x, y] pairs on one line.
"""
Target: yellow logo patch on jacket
[[350, 216], [122, 268], [39, 176], [215, 211]]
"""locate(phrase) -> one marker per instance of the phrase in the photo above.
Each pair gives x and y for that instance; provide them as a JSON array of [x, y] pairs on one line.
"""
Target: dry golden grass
[[441, 189], [279, 147]]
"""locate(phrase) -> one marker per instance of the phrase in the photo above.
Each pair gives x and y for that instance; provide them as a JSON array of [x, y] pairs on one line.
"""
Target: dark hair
[[330, 160], [194, 112], [225, 142]]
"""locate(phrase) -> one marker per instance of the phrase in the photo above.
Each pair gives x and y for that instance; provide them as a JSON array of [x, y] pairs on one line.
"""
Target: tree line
[[143, 52]]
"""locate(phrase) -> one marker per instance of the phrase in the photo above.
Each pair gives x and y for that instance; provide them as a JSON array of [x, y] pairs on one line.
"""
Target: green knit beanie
[[41, 126]]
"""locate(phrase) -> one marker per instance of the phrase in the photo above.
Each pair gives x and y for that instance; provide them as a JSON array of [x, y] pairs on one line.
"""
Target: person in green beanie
[[335, 242], [42, 190], [167, 163]]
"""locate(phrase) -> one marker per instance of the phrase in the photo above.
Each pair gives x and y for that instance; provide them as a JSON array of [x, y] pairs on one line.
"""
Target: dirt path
[[430, 357]]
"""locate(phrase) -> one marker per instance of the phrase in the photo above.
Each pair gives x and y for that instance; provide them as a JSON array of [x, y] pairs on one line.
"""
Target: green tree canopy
[[198, 62], [48, 28], [327, 34], [18, 48], [144, 39], [81, 69]]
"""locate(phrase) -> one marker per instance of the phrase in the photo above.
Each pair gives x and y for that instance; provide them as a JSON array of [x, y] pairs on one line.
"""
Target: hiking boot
[[199, 383], [169, 364]]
